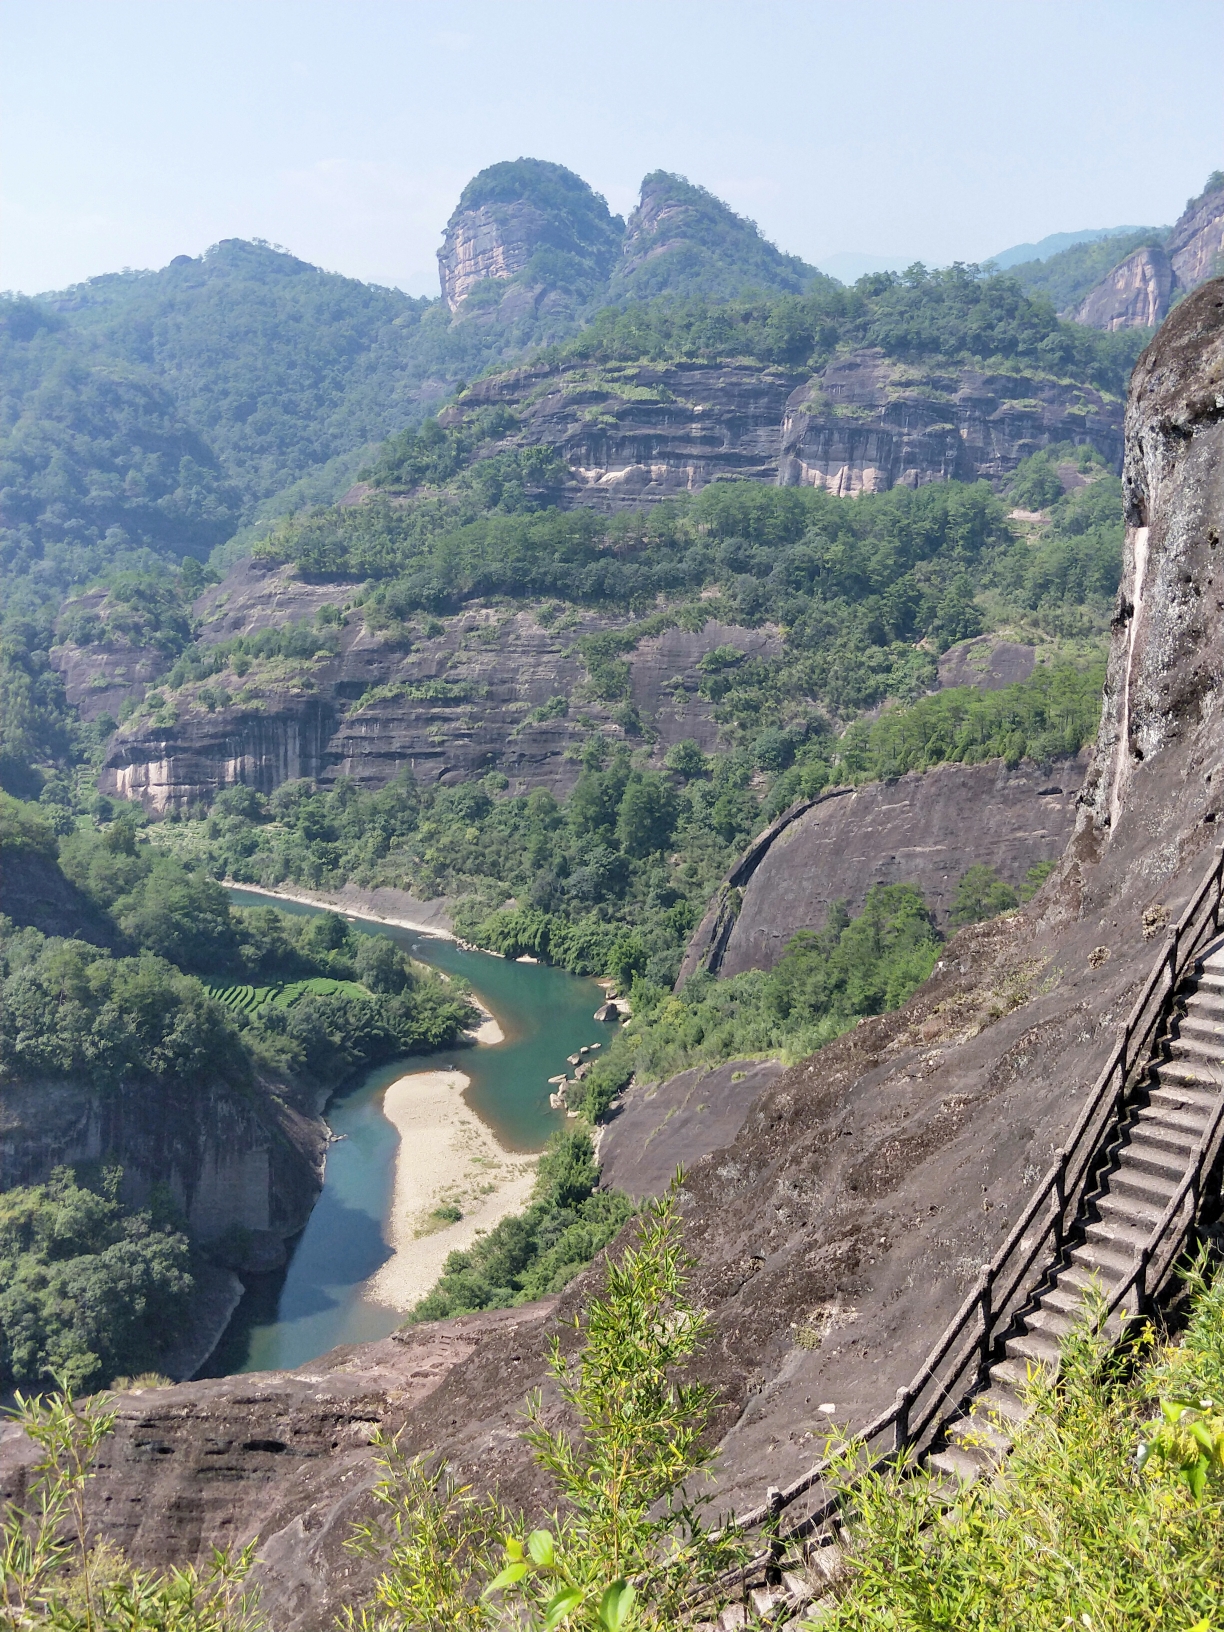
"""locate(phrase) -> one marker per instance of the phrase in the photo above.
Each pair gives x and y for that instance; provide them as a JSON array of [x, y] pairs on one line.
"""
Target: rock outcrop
[[634, 434], [512, 213], [229, 1158], [1139, 292], [1135, 295], [457, 704], [926, 830]]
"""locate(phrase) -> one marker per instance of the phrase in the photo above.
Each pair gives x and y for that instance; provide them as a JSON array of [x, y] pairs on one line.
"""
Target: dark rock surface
[[229, 1157], [34, 893], [284, 1457], [483, 675], [923, 829], [1139, 292], [655, 1127], [986, 662]]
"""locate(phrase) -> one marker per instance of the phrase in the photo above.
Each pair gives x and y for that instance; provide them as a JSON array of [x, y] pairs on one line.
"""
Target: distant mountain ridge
[[1055, 242]]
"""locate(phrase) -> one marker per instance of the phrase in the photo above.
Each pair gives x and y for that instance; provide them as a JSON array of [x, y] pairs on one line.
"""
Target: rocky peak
[[681, 239], [1139, 292], [526, 216]]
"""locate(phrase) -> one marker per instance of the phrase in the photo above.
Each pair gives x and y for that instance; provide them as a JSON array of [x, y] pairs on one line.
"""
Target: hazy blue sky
[[135, 130]]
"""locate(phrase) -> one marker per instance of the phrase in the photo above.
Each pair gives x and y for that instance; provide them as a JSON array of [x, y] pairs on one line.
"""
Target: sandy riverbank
[[446, 1155], [354, 903]]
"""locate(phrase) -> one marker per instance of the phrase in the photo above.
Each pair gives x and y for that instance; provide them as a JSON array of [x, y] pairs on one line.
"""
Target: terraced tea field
[[246, 999]]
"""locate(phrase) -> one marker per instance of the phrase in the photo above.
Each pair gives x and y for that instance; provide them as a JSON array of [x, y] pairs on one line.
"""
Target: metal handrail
[[1011, 1278]]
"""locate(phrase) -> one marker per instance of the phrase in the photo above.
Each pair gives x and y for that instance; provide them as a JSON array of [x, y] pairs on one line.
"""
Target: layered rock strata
[[634, 434], [455, 705]]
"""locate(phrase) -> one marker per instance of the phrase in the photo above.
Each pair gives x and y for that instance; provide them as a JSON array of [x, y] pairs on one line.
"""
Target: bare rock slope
[[926, 830], [836, 1233], [1139, 291]]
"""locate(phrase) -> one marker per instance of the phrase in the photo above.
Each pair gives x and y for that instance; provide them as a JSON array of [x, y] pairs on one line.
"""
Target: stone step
[[1119, 1232], [961, 1462], [1066, 1296], [979, 1427], [1034, 1346], [1187, 1074], [1111, 1263], [1048, 1321], [1008, 1380], [1173, 1121], [1183, 1096], [1190, 1044], [1151, 1189], [1206, 1025], [1171, 1145], [1129, 1209]]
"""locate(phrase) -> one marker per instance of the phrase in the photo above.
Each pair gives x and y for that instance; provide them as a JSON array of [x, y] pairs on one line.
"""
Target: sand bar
[[346, 909], [446, 1156]]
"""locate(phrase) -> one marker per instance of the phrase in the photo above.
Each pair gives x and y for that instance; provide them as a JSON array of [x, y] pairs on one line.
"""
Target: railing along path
[[953, 1371]]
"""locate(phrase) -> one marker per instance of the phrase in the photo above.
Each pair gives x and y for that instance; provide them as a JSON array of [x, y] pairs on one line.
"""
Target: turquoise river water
[[318, 1301]]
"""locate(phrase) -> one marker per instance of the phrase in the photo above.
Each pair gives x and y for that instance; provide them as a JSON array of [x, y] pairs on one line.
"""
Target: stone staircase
[[1159, 1143]]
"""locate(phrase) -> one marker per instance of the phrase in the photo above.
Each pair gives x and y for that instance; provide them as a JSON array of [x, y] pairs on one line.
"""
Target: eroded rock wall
[[635, 434], [455, 705], [922, 829], [1140, 291]]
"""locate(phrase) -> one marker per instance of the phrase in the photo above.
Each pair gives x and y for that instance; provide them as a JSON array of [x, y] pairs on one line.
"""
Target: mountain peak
[[527, 220]]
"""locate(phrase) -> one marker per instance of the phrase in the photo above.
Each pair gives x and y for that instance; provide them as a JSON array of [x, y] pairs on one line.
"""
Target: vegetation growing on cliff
[[1080, 1530], [89, 1288], [821, 986]]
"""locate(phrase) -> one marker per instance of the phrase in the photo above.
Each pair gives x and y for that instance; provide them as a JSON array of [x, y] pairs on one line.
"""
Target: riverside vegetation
[[90, 1287], [1108, 1513]]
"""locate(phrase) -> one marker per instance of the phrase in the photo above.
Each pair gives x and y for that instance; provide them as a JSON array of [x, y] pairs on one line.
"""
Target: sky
[[344, 130]]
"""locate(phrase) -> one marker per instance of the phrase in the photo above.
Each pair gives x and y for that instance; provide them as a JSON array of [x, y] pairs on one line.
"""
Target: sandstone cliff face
[[457, 705], [925, 830], [1138, 293], [1135, 295], [495, 241], [635, 434], [229, 1158], [866, 425]]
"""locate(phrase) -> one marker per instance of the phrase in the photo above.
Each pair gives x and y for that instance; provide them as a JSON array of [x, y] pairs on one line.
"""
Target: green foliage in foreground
[[55, 1573], [1078, 1531], [624, 1469], [540, 1251], [88, 1287]]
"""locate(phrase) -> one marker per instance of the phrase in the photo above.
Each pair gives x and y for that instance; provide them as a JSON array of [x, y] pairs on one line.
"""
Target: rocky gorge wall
[[924, 829], [865, 1185], [635, 434], [1140, 291], [456, 705]]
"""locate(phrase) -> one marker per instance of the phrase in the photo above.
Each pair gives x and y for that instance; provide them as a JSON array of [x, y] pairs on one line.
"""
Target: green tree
[[980, 894]]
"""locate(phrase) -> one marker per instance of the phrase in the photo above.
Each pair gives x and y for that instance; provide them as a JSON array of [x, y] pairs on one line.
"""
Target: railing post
[[901, 1426], [985, 1281], [1060, 1198]]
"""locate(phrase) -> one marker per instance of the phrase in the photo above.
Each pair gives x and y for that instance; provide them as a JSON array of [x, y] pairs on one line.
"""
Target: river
[[318, 1300]]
